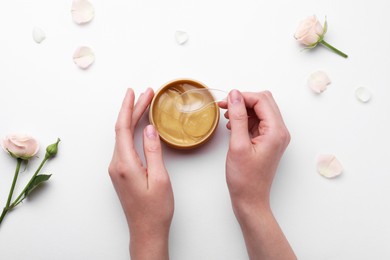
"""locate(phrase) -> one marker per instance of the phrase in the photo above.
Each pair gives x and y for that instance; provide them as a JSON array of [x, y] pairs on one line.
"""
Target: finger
[[238, 119], [123, 128], [223, 104], [226, 114], [153, 155], [264, 106], [253, 122], [141, 106], [125, 157], [269, 116]]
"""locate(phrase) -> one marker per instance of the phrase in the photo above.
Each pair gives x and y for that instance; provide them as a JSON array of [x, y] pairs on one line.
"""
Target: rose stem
[[334, 49], [5, 210], [15, 203]]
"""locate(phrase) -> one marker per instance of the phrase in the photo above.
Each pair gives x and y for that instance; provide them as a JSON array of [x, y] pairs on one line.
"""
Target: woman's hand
[[145, 192], [258, 140]]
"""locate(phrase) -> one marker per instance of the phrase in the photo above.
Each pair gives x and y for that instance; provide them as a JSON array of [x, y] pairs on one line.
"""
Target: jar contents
[[198, 98], [183, 128]]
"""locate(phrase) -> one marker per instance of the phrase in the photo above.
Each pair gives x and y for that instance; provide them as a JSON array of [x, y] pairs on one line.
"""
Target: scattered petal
[[363, 94], [38, 35], [82, 11], [181, 37], [83, 57], [328, 166], [318, 81]]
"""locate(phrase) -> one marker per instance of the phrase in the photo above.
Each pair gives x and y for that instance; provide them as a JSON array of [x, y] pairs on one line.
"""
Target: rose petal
[[328, 166], [309, 31], [318, 81], [363, 94], [38, 35], [83, 57], [181, 37], [82, 11], [20, 146]]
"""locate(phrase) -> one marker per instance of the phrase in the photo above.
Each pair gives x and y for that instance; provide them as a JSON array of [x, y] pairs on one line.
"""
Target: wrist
[[263, 236], [250, 211], [149, 245]]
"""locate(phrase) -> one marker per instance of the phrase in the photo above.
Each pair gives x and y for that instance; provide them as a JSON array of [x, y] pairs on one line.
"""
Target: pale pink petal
[[318, 81], [363, 94], [38, 35], [82, 11], [83, 57], [305, 26], [20, 145], [309, 31], [318, 29], [309, 39], [181, 37], [328, 166]]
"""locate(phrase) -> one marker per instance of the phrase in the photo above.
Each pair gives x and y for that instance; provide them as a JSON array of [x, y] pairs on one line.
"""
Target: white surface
[[245, 44]]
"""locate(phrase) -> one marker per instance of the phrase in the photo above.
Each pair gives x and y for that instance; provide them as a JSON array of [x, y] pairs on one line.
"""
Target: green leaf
[[38, 180], [325, 26]]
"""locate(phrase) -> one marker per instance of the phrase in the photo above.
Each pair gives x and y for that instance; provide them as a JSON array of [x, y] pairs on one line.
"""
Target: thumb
[[153, 153], [238, 118]]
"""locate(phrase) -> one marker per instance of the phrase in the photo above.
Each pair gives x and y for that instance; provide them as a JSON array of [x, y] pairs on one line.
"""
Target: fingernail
[[128, 91], [235, 97], [148, 90], [151, 132]]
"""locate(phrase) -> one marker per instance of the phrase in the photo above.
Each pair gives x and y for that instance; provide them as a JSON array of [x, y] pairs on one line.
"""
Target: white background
[[245, 44]]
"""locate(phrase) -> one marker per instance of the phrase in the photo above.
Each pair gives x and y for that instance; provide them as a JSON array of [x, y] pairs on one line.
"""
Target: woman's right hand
[[258, 140]]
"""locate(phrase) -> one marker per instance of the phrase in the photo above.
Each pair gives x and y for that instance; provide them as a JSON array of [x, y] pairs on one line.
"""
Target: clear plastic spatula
[[197, 99]]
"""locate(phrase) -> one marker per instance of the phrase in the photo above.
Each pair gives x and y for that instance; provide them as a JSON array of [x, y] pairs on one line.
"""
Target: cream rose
[[310, 31], [20, 146]]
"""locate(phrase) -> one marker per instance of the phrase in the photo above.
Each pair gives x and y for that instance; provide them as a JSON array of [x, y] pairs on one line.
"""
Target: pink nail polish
[[151, 132], [235, 97]]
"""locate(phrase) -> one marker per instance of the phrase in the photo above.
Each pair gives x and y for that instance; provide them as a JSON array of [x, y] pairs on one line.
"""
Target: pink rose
[[310, 31], [20, 146]]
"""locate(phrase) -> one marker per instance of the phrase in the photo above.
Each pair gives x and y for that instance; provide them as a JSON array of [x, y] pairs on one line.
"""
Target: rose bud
[[310, 31], [20, 146], [52, 149]]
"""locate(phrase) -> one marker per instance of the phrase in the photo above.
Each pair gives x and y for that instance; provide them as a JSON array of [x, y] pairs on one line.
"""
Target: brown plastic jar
[[177, 129]]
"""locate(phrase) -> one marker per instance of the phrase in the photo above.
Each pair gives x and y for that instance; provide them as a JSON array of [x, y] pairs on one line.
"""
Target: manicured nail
[[151, 132], [128, 91], [235, 97], [148, 90]]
